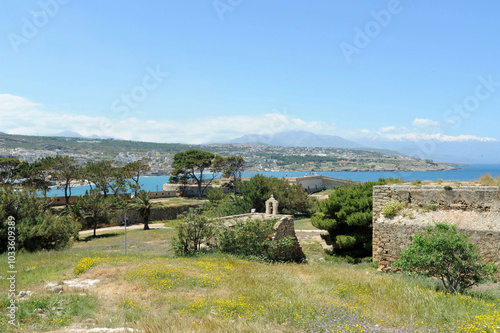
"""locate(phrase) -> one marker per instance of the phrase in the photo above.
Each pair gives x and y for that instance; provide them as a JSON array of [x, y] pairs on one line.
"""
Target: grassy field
[[151, 290]]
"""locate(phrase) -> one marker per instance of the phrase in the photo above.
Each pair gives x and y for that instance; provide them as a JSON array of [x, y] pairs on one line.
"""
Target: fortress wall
[[318, 183], [311, 183], [474, 209]]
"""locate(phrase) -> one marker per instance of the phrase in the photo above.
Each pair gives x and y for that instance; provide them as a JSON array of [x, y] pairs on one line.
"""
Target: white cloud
[[437, 137], [387, 129], [11, 102], [425, 123], [19, 115]]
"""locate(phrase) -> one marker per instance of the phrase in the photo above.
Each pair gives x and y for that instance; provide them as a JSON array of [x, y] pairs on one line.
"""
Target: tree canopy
[[65, 169], [347, 216], [293, 199], [192, 164], [10, 169]]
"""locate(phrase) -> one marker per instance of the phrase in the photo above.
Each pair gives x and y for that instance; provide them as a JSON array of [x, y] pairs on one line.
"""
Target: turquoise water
[[471, 172]]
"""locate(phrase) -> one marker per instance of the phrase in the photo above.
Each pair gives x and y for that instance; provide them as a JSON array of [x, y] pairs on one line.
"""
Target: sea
[[464, 173]]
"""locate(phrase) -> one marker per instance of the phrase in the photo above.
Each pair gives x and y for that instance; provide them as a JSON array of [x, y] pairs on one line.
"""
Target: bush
[[192, 233], [392, 208], [245, 238], [36, 227], [252, 238], [47, 232], [215, 195], [285, 249], [487, 180], [390, 181], [430, 208], [445, 253]]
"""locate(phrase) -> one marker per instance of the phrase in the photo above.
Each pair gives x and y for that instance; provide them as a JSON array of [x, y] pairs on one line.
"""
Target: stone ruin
[[473, 209], [272, 206]]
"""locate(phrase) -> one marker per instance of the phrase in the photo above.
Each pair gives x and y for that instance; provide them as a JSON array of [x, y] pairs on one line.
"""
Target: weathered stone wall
[[285, 227], [311, 184], [314, 184], [474, 209]]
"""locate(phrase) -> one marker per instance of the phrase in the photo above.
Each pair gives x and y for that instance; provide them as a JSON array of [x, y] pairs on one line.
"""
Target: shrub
[[47, 232], [216, 195], [252, 238], [192, 233], [389, 181], [246, 238], [487, 180], [430, 208], [36, 227], [285, 249], [448, 188], [392, 208], [445, 253]]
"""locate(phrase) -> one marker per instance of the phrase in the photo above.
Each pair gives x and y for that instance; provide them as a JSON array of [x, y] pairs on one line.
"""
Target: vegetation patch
[[392, 208], [40, 313], [88, 263], [447, 254]]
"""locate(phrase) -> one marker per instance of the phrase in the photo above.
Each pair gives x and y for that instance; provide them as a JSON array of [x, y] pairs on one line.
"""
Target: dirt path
[[122, 228]]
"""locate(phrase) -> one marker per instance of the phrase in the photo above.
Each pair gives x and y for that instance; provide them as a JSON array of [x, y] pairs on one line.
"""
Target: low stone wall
[[473, 209], [61, 201], [163, 194]]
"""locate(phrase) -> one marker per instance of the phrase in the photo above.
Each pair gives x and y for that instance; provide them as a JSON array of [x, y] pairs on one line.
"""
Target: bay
[[465, 173]]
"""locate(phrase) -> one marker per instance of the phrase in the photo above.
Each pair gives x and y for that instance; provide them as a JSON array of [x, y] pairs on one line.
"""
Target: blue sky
[[198, 71]]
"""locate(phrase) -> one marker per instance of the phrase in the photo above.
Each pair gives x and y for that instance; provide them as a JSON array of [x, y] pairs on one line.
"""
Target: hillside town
[[258, 158]]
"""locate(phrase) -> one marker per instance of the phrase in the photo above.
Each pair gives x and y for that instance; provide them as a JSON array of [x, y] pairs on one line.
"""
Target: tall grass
[[488, 180], [153, 291]]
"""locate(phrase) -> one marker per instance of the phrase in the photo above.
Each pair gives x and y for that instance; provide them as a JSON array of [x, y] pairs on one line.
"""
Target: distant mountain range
[[471, 151], [298, 139], [71, 134]]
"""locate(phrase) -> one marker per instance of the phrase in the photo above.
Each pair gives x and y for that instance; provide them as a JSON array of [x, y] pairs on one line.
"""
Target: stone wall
[[285, 227], [314, 184], [474, 209]]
